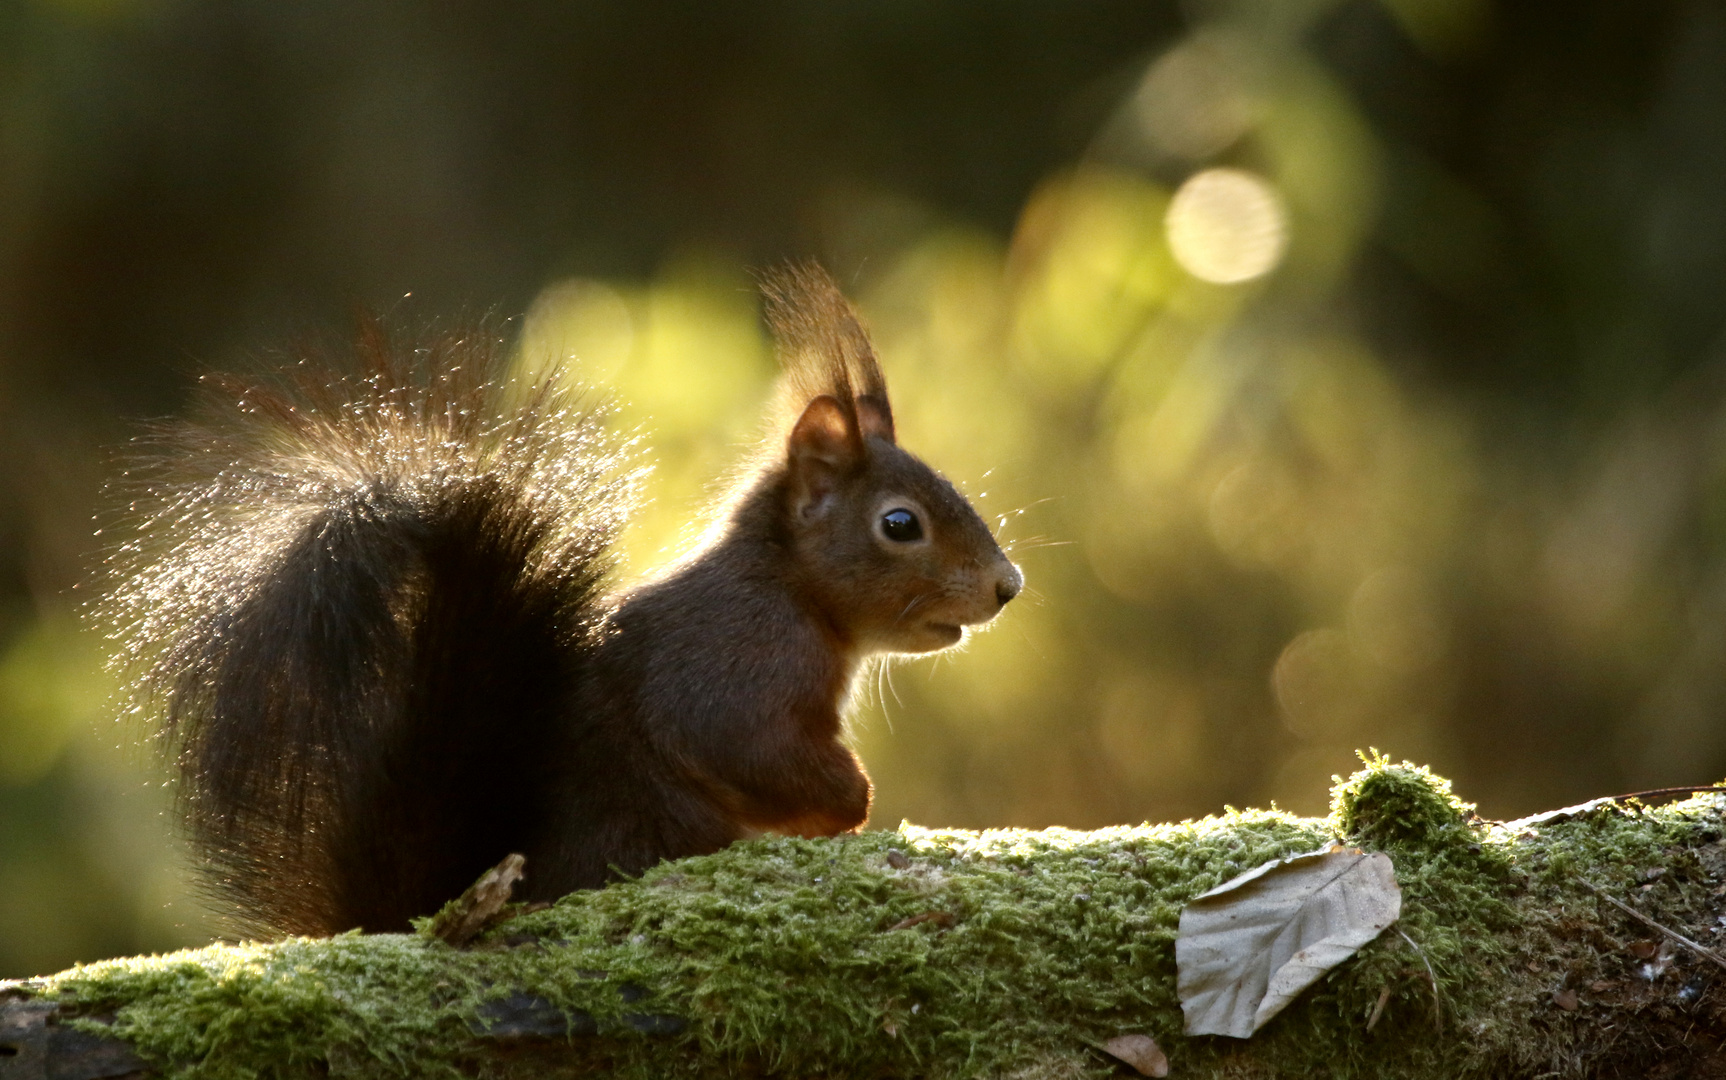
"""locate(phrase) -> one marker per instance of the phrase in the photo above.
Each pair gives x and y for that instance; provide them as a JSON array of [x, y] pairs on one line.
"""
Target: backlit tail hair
[[357, 600]]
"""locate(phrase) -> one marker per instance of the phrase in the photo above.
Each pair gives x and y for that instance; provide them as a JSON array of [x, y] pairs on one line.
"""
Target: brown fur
[[369, 611]]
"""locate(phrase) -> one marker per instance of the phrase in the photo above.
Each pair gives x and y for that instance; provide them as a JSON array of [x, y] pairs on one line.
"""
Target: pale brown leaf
[[1250, 945], [1141, 1052]]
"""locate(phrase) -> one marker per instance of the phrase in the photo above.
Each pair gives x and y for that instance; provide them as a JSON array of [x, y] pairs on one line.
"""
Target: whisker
[[1033, 543], [881, 673], [1001, 520]]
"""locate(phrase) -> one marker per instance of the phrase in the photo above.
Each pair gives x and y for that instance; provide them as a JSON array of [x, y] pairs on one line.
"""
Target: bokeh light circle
[[1227, 226]]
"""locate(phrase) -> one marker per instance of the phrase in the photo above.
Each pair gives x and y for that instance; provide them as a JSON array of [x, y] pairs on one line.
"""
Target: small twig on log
[[1378, 1009], [1700, 950], [939, 918], [1664, 792]]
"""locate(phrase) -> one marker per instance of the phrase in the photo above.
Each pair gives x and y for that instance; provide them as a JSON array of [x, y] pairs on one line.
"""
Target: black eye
[[901, 525]]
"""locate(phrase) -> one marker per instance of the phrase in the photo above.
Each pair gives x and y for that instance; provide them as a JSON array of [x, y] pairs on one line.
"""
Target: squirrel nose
[[1008, 585]]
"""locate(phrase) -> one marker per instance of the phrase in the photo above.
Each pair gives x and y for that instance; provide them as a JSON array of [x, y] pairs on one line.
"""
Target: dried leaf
[[463, 918], [1564, 813], [1250, 945], [1566, 999], [1139, 1051]]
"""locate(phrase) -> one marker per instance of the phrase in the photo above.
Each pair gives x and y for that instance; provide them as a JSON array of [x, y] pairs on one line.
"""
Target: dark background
[[1460, 491]]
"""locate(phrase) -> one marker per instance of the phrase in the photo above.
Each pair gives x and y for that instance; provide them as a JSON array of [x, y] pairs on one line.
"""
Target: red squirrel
[[369, 611]]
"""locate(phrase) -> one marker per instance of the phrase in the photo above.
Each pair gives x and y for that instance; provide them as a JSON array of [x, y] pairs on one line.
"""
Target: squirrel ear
[[875, 416], [824, 445]]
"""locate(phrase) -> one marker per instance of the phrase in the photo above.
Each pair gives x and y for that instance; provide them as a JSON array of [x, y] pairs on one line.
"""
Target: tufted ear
[[824, 446], [875, 415]]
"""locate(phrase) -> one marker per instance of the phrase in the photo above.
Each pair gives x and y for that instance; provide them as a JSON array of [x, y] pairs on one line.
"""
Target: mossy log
[[927, 953]]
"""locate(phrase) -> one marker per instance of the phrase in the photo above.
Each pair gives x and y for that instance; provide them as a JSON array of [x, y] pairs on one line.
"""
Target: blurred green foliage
[[1341, 373]]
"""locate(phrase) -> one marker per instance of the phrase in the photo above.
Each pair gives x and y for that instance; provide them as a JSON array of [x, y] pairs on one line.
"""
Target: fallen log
[[1581, 943]]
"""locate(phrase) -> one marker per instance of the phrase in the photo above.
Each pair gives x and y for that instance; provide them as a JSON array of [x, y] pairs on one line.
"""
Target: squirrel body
[[370, 613]]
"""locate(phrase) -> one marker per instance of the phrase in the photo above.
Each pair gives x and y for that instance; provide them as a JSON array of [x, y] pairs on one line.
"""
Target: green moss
[[946, 953], [1398, 804]]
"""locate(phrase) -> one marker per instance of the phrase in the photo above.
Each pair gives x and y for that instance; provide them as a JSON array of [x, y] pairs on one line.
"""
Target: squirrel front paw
[[840, 805], [817, 824]]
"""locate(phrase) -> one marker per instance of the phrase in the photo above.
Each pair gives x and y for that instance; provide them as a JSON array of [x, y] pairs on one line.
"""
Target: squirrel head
[[890, 550]]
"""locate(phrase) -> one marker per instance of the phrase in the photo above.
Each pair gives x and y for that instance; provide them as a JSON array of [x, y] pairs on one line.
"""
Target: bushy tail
[[358, 603]]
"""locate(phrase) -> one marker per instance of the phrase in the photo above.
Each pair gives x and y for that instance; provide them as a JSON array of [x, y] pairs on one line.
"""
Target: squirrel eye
[[901, 525]]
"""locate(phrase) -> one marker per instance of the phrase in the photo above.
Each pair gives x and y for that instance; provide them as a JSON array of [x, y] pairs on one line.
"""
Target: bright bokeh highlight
[[1227, 226]]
